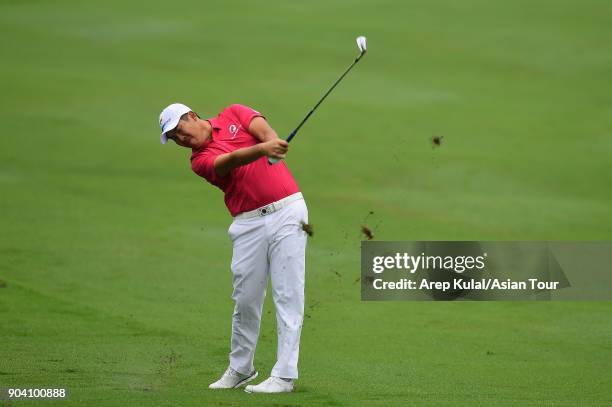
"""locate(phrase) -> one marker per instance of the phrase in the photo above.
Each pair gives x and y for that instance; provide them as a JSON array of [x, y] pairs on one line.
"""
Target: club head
[[361, 43]]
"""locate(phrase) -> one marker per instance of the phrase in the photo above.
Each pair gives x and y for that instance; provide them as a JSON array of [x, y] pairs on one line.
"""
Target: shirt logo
[[233, 129]]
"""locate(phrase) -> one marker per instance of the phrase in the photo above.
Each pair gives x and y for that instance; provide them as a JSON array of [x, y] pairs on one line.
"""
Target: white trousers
[[271, 246]]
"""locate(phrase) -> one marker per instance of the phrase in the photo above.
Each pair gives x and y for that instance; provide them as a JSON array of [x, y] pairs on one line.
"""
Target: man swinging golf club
[[231, 152], [235, 152]]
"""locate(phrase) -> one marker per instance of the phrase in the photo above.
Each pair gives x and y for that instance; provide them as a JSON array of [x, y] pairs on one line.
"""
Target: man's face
[[187, 132]]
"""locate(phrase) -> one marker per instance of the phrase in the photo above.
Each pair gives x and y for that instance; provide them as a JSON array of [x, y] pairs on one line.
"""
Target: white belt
[[270, 208]]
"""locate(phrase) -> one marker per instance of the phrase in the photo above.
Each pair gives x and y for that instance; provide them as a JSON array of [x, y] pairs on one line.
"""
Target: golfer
[[231, 152]]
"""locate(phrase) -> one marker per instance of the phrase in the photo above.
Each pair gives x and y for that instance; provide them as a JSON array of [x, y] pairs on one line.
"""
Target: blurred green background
[[114, 257]]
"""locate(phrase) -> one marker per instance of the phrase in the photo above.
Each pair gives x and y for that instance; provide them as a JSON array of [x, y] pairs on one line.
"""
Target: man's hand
[[275, 148]]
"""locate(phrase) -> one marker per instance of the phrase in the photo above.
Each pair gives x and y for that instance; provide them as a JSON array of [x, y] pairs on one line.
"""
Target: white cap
[[169, 118]]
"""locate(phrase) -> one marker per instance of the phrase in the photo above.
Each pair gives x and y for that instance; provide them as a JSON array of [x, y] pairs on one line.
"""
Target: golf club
[[361, 44]]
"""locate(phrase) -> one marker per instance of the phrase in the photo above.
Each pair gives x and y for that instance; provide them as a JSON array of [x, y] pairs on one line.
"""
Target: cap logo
[[163, 122]]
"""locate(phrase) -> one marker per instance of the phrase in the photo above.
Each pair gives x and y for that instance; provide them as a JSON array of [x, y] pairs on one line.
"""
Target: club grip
[[275, 160]]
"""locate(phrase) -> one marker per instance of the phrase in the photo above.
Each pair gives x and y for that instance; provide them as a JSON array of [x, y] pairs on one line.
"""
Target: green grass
[[114, 257]]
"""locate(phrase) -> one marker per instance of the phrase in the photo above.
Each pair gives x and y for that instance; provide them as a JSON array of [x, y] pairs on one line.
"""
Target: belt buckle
[[266, 210]]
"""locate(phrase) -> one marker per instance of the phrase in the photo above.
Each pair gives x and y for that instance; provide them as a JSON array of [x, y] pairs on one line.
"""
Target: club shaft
[[294, 132]]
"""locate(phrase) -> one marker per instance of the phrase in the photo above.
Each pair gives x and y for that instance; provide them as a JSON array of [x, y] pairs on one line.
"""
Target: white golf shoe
[[271, 385], [232, 379]]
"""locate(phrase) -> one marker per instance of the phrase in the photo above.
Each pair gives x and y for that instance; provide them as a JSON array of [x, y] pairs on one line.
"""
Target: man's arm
[[262, 131], [275, 148]]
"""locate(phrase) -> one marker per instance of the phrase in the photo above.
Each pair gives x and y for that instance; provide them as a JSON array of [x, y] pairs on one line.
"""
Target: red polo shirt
[[249, 186]]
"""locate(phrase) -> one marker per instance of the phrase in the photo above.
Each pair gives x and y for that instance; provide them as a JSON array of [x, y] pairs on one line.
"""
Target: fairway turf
[[114, 257]]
